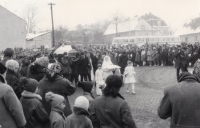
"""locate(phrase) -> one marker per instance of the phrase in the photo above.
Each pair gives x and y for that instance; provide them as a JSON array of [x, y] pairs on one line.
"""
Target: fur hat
[[29, 84], [54, 69], [54, 99], [11, 64], [82, 102], [42, 61]]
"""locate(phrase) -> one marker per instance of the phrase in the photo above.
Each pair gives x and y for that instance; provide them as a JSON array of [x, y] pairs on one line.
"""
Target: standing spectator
[[24, 69], [123, 61], [110, 109], [57, 117], [95, 61], [155, 57], [8, 55], [83, 67], [87, 87], [65, 64], [143, 57], [54, 82], [11, 112], [38, 69], [89, 66], [181, 102], [149, 56], [79, 118], [13, 77], [74, 68], [34, 112]]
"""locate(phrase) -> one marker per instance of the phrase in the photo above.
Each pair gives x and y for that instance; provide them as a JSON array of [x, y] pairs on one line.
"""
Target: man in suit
[[181, 102]]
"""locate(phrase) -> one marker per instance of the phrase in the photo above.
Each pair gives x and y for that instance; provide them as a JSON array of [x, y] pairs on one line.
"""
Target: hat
[[8, 52], [82, 102], [86, 86], [54, 99], [29, 84], [2, 68], [42, 61]]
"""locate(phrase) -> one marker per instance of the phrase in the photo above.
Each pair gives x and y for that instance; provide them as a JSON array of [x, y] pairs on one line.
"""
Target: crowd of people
[[34, 89]]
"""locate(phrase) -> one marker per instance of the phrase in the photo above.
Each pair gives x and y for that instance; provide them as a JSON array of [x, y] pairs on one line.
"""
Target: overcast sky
[[70, 13]]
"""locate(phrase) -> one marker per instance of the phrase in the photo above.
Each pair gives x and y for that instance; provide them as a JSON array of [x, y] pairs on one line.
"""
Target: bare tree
[[117, 19], [31, 17]]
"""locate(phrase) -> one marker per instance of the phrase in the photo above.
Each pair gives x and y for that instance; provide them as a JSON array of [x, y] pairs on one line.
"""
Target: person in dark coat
[[95, 60], [110, 110], [74, 68], [57, 84], [84, 66], [65, 62], [123, 61], [24, 69], [38, 69], [180, 61], [181, 103], [11, 112], [34, 112], [8, 55], [13, 77], [87, 87]]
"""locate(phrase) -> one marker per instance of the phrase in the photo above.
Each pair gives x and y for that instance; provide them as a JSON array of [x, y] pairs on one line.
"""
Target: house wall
[[37, 42], [12, 30], [190, 38]]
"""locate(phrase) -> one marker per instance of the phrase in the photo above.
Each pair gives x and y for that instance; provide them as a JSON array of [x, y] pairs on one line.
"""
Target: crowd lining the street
[[34, 89]]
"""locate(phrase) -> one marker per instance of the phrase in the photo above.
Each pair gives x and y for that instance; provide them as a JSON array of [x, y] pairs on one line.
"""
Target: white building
[[35, 41]]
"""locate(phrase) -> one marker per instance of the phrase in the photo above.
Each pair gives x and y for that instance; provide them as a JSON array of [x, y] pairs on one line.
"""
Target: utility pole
[[53, 40]]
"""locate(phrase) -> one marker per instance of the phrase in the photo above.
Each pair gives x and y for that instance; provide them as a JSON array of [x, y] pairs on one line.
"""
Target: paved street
[[149, 90]]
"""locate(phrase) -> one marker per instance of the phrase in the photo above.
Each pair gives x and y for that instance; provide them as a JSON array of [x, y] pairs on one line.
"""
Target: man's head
[[9, 52]]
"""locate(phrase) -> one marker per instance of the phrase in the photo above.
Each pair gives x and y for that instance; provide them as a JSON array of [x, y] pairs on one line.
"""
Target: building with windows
[[12, 30], [189, 35], [147, 25]]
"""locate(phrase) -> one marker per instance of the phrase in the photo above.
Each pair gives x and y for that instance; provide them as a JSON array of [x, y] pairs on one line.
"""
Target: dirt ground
[[150, 84]]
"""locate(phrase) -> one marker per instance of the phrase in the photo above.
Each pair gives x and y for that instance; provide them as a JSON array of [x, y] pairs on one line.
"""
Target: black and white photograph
[[99, 63]]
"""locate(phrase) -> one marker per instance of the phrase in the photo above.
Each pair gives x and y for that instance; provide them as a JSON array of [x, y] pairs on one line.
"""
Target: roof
[[30, 36], [123, 26], [153, 20], [186, 31], [13, 13]]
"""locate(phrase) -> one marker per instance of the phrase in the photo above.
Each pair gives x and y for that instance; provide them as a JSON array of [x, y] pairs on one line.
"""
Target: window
[[159, 23], [131, 40], [143, 27]]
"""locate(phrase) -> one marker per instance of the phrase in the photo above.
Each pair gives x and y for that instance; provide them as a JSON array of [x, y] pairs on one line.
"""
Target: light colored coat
[[11, 112], [129, 75]]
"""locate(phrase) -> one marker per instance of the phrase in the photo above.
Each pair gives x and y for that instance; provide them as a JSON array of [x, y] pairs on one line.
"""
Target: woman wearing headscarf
[[13, 77], [54, 82], [38, 69], [111, 110]]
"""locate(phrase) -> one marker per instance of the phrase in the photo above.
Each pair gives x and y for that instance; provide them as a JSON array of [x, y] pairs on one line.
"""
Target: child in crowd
[[79, 117], [129, 78], [34, 112], [57, 117], [87, 87], [99, 80]]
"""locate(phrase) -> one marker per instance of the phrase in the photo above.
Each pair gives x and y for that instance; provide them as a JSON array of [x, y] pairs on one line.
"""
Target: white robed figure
[[108, 67]]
